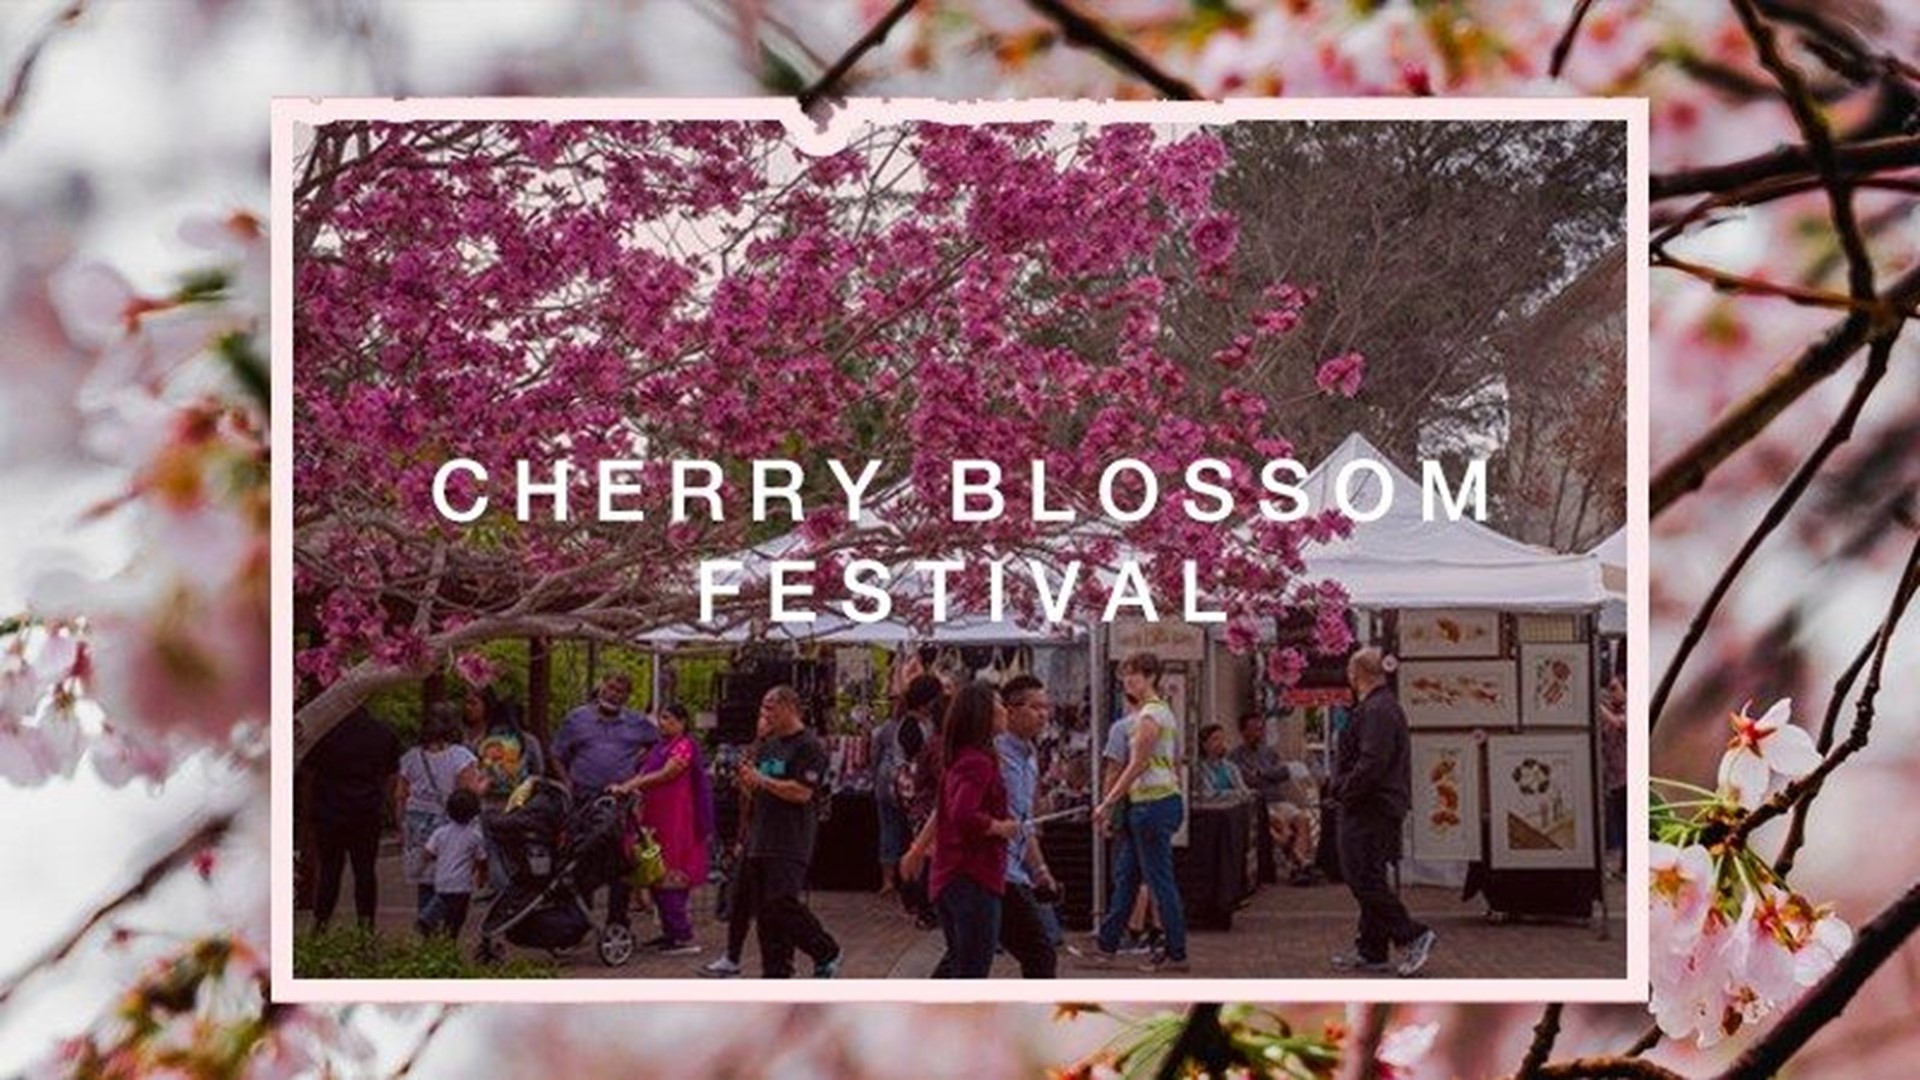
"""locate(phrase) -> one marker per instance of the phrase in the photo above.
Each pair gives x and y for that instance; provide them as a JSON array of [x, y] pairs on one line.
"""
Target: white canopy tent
[[1612, 553], [1403, 560]]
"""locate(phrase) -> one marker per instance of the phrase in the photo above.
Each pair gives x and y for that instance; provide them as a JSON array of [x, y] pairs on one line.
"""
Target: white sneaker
[[721, 968], [1417, 953]]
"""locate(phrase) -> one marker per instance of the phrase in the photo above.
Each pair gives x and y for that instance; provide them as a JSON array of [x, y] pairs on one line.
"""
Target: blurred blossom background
[[132, 134]]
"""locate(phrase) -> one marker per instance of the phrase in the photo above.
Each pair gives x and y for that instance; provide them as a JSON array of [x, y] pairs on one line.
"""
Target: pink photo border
[[289, 112]]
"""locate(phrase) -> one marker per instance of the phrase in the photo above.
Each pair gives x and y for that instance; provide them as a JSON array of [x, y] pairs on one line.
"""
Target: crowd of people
[[956, 781]]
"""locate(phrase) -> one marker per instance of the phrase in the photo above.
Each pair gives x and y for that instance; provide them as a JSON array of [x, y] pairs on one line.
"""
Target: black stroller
[[555, 856]]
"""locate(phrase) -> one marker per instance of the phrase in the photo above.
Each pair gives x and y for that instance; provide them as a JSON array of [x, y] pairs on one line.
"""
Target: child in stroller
[[556, 855]]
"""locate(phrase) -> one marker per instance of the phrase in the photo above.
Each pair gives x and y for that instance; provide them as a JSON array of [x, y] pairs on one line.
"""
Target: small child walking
[[457, 851]]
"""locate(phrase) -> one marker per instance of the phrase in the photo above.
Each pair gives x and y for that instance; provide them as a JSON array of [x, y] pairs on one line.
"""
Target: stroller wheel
[[615, 944]]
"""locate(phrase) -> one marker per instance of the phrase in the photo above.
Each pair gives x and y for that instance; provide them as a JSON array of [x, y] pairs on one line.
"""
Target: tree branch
[[1819, 139], [1545, 1034], [1619, 1068], [1689, 469], [1564, 47], [1080, 31], [1838, 433], [30, 58], [1200, 1041], [872, 39], [433, 1027], [1872, 155], [203, 836], [1797, 830]]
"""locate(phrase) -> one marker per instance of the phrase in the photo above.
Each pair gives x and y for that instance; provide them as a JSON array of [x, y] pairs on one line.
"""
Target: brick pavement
[[1282, 932]]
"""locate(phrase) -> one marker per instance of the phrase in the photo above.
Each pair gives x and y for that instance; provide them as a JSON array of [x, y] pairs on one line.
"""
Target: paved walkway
[[1282, 932]]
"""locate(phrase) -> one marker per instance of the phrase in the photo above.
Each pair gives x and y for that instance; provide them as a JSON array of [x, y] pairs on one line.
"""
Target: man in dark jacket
[[1373, 783]]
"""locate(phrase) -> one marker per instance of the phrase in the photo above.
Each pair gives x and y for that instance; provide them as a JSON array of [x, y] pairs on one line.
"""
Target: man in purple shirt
[[601, 744]]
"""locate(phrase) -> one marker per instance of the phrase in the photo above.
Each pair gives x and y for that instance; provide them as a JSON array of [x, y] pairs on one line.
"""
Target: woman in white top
[[429, 773]]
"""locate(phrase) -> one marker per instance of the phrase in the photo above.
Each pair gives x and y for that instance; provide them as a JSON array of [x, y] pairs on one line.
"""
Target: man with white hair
[[1373, 783]]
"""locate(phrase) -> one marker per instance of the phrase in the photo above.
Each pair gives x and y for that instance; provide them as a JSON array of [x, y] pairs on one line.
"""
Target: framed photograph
[[1446, 798], [1442, 632], [1458, 693], [1556, 685], [1540, 790]]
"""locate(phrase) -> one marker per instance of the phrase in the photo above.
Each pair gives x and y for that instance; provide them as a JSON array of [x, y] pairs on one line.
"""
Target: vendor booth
[[1499, 670]]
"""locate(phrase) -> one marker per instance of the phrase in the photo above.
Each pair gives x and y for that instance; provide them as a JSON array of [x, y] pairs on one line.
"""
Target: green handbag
[[649, 861]]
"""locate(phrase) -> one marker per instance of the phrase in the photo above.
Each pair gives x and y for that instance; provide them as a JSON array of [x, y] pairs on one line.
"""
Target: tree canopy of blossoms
[[705, 291]]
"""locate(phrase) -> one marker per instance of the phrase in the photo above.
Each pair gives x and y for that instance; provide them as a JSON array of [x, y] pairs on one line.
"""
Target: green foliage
[[352, 953]]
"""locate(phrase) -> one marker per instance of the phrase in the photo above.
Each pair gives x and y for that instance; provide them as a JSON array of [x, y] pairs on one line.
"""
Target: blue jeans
[[1148, 854], [894, 832], [970, 919]]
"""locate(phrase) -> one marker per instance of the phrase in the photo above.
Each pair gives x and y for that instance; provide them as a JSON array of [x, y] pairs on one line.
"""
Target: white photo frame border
[[290, 116]]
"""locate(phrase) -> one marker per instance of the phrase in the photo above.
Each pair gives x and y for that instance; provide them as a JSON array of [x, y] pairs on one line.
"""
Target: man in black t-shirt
[[787, 771], [353, 769]]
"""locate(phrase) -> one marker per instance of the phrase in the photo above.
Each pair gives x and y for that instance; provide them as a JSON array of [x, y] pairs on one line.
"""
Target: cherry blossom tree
[[702, 291]]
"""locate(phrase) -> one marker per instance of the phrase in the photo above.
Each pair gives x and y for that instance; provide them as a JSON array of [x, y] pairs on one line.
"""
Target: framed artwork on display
[[1446, 798], [1559, 627], [1443, 632], [1458, 693], [1540, 790], [1556, 685]]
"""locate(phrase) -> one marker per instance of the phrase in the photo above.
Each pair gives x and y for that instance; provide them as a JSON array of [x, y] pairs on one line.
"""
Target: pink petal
[[1744, 777], [91, 299], [1790, 752]]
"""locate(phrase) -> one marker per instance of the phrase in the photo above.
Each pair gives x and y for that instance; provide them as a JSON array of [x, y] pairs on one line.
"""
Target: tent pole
[[1096, 735]]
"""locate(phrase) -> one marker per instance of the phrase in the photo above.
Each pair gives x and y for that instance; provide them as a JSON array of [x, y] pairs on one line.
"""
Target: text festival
[[695, 486]]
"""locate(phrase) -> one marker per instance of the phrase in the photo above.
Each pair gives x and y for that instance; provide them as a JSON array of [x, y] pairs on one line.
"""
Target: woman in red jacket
[[972, 830]]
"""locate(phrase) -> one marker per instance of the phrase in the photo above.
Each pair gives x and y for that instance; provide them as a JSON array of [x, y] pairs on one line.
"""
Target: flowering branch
[[1875, 945], [1805, 788], [183, 853], [1201, 1041]]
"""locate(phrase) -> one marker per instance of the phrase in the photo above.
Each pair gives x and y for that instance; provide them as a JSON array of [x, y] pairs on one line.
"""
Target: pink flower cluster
[[1727, 950], [1731, 941]]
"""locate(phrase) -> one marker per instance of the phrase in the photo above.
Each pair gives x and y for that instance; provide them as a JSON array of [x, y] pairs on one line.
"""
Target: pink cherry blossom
[[1762, 748], [1683, 887], [1403, 1048], [1342, 374], [1285, 666]]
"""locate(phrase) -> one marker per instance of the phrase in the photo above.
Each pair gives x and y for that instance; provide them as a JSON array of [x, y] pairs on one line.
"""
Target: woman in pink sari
[[678, 807]]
